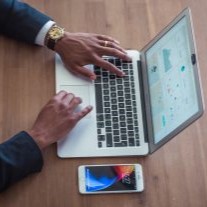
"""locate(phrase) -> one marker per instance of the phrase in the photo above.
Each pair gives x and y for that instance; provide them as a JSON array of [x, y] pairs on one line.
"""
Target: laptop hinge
[[142, 97]]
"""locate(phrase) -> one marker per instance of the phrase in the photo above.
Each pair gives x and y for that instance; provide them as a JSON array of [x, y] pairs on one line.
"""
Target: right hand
[[79, 49], [57, 118]]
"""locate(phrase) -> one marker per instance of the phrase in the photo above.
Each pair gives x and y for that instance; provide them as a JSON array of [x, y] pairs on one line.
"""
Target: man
[[21, 154]]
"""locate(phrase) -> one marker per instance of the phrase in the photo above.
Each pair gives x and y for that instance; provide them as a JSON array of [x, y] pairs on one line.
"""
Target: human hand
[[57, 118], [79, 49]]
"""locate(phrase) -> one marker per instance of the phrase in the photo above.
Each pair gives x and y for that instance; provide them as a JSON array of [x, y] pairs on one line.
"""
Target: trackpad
[[81, 91]]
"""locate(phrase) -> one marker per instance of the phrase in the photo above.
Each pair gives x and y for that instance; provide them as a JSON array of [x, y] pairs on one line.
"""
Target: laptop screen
[[171, 80]]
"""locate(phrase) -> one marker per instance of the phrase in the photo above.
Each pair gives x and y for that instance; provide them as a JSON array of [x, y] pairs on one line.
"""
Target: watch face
[[56, 33]]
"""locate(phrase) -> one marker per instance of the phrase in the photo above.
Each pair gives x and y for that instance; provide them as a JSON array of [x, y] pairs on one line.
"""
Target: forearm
[[19, 157], [20, 21]]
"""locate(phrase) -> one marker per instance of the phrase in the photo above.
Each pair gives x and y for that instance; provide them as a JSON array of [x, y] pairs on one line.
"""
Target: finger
[[108, 66], [68, 98], [74, 103], [71, 69], [116, 53], [109, 44], [108, 38], [85, 72], [84, 112], [60, 95]]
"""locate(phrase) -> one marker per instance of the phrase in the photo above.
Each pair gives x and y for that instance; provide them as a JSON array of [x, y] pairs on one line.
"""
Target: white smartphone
[[112, 178]]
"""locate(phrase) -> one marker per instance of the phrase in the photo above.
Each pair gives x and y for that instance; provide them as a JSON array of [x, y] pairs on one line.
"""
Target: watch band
[[51, 43]]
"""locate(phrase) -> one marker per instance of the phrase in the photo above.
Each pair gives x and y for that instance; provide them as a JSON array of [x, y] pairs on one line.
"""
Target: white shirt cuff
[[40, 38]]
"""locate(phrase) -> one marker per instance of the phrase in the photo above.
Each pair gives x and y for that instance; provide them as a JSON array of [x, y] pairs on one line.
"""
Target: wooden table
[[175, 176]]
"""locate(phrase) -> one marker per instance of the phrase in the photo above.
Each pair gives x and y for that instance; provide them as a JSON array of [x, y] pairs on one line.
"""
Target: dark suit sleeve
[[19, 157], [20, 21]]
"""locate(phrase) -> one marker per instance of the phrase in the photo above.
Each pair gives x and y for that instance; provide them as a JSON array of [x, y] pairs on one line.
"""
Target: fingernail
[[123, 73], [90, 107], [70, 97], [117, 42], [93, 77], [129, 58], [80, 99]]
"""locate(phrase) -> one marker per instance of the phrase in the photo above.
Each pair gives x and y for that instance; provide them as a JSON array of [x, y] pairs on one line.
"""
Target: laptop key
[[116, 139], [106, 98], [99, 103], [131, 133], [120, 87], [123, 124], [117, 62], [130, 121], [136, 129], [122, 117], [131, 71], [117, 144], [113, 95], [105, 74], [121, 111], [115, 126], [121, 99], [121, 105], [112, 76], [112, 82], [119, 81], [107, 104], [130, 127], [113, 88], [108, 123], [126, 84], [128, 108], [114, 107], [115, 119], [126, 61], [100, 117], [123, 130], [109, 140], [108, 129], [98, 79], [100, 145], [111, 60], [124, 143], [137, 143], [113, 101], [101, 137], [114, 113], [107, 110], [100, 125], [125, 66], [106, 92], [131, 142], [105, 86], [107, 116]]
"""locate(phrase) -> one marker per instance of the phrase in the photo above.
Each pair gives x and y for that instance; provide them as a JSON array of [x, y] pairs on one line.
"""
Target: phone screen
[[110, 178]]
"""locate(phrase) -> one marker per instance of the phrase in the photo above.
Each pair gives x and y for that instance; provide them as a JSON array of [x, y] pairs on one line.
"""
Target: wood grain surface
[[175, 175]]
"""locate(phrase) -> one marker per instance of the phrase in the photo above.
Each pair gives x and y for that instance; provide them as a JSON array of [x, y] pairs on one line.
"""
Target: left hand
[[79, 49], [57, 118]]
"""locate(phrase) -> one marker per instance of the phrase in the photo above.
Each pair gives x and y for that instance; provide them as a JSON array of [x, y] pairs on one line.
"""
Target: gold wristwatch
[[54, 34]]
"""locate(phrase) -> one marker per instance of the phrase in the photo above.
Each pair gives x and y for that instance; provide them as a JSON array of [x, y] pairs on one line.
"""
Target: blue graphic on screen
[[110, 178], [173, 97]]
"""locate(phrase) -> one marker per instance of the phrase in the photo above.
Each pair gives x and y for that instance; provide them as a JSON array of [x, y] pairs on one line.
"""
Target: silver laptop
[[135, 115]]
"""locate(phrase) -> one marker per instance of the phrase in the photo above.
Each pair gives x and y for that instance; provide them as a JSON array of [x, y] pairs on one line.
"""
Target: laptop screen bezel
[[152, 145]]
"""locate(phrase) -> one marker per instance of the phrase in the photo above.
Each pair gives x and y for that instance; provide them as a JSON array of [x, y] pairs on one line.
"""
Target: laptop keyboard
[[117, 121]]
